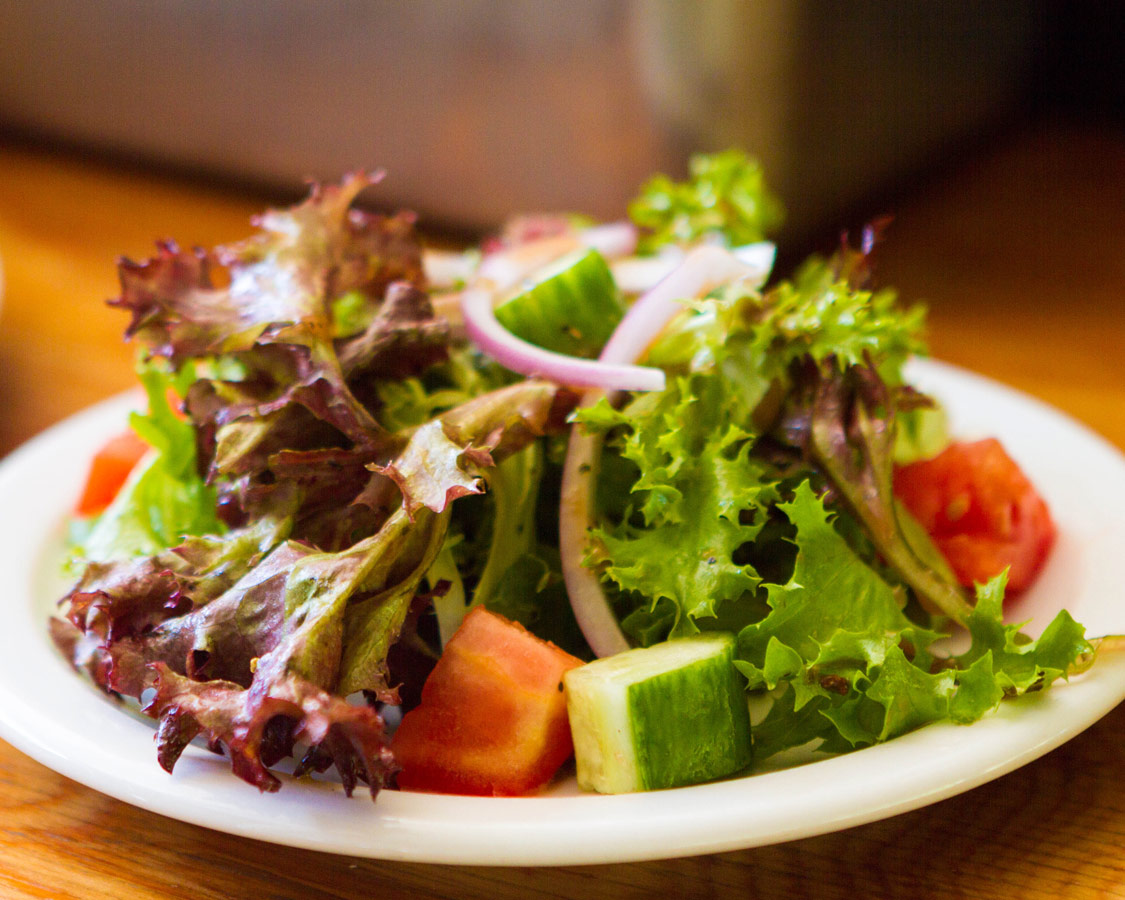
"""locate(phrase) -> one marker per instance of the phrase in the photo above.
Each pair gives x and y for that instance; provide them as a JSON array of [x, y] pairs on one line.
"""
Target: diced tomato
[[492, 719], [108, 470], [982, 512]]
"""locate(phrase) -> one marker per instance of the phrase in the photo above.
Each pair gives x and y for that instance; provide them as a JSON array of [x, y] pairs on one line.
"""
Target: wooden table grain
[[1019, 249]]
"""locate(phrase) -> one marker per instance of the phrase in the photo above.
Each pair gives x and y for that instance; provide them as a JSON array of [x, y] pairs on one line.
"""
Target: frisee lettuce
[[760, 502], [725, 198]]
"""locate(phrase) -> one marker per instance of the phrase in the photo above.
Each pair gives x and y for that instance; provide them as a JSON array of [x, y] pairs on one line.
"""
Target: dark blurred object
[[481, 107], [1080, 66]]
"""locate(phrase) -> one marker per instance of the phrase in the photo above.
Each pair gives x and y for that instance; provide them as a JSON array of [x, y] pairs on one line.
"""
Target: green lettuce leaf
[[532, 592], [1019, 663], [822, 315], [513, 488], [165, 499], [831, 590], [843, 421], [860, 687], [725, 196], [698, 526]]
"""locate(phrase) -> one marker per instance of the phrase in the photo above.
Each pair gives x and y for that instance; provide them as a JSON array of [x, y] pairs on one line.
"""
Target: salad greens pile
[[347, 476], [760, 502]]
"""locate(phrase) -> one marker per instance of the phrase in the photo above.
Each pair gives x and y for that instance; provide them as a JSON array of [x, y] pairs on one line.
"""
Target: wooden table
[[1018, 249]]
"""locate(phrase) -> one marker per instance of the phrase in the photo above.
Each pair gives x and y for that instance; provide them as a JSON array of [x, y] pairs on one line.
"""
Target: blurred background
[[994, 132], [478, 108]]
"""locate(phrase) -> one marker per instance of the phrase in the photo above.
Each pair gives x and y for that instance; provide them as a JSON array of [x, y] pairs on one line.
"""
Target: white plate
[[52, 715]]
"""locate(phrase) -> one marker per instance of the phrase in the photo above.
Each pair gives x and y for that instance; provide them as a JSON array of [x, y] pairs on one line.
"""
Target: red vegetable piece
[[108, 470], [492, 720], [981, 511]]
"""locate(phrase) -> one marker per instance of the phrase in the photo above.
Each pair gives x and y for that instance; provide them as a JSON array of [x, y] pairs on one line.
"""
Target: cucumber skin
[[574, 311], [709, 733]]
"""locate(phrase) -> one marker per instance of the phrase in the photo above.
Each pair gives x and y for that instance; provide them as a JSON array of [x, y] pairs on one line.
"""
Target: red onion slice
[[704, 269], [527, 359], [583, 586], [637, 274]]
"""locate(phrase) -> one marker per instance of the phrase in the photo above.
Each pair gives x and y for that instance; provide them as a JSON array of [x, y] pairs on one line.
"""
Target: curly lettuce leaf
[[845, 678], [281, 280], [1021, 664], [706, 468], [267, 305], [725, 196], [678, 540], [831, 590], [296, 624], [822, 316], [253, 641], [296, 635]]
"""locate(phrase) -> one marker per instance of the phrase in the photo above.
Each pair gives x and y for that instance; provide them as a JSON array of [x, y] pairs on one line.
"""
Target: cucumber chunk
[[658, 717], [571, 307]]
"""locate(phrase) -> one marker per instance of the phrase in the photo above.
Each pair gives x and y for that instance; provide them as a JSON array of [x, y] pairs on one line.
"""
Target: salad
[[581, 490]]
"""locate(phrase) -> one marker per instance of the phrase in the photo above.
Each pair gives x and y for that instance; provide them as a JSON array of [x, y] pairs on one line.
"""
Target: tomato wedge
[[981, 511], [109, 469], [493, 719]]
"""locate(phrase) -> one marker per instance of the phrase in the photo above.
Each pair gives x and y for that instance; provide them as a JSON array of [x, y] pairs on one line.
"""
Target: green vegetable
[[703, 488], [165, 498], [450, 607], [761, 503], [572, 307], [514, 489], [351, 312], [921, 434], [846, 684], [725, 197], [408, 402], [659, 717]]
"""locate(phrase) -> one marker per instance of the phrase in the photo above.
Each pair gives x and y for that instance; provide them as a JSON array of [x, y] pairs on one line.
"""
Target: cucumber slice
[[571, 306], [658, 717]]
